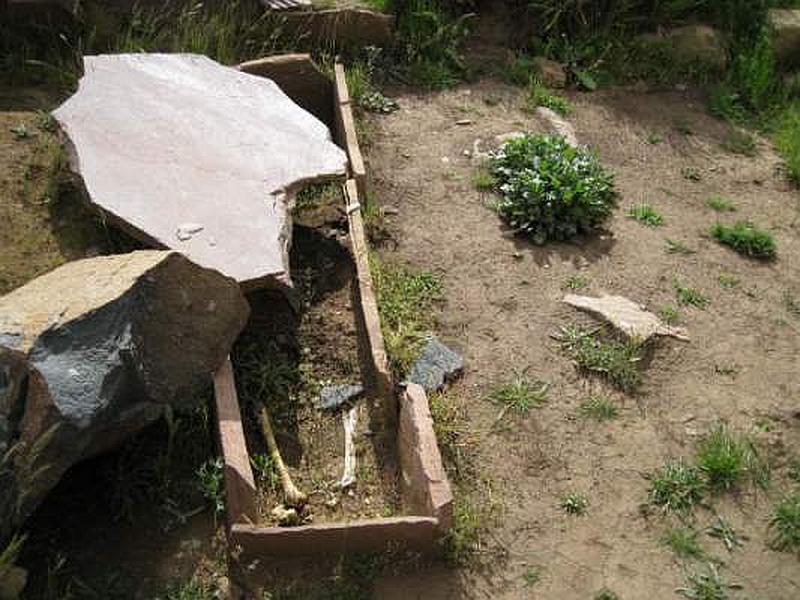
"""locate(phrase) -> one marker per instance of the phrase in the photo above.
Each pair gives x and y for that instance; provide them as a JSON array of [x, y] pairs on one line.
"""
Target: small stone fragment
[[437, 364], [626, 315], [333, 396]]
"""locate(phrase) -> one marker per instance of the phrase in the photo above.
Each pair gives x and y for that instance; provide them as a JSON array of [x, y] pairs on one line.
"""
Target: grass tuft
[[483, 180], [690, 297], [787, 140], [520, 395], [618, 361], [728, 459], [599, 408], [708, 585], [670, 315], [539, 95], [720, 204], [746, 239], [785, 525], [728, 280], [677, 487], [646, 214], [683, 542], [574, 503]]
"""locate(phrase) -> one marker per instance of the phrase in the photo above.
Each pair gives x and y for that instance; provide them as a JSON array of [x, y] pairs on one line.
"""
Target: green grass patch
[[531, 576], [670, 315], [740, 142], [616, 360], [605, 594], [464, 539], [520, 395], [690, 297], [576, 283], [646, 215], [691, 174], [599, 408], [728, 459], [405, 301], [677, 487], [683, 542], [784, 525], [746, 238], [574, 503], [706, 585], [720, 204]]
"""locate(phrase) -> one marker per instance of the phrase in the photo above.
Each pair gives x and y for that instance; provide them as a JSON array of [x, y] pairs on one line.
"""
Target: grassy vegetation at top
[[784, 525], [618, 361], [677, 487], [405, 302], [683, 542], [551, 190], [746, 238], [574, 503], [599, 408]]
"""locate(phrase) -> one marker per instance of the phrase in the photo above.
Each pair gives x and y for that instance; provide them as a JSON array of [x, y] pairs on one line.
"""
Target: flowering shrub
[[549, 189]]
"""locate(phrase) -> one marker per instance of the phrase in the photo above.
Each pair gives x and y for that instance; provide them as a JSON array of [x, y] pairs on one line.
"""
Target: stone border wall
[[425, 488]]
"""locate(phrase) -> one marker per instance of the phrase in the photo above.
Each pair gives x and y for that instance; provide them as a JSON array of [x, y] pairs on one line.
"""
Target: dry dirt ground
[[503, 302]]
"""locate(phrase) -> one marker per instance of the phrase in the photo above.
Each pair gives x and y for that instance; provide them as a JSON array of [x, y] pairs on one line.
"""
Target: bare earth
[[504, 302]]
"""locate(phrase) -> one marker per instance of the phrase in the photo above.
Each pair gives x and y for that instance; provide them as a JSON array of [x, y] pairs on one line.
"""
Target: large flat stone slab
[[194, 156]]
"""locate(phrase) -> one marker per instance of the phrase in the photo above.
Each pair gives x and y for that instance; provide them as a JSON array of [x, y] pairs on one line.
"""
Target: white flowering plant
[[550, 190]]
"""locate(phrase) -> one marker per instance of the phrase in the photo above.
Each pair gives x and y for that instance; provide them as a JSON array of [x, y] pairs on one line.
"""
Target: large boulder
[[187, 154], [93, 351], [785, 25]]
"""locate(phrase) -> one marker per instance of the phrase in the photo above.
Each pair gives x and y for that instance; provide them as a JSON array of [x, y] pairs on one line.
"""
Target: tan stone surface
[[197, 157], [625, 315]]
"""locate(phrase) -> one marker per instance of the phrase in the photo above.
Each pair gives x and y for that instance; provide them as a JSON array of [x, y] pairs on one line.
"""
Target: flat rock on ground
[[92, 352], [194, 156], [626, 315], [437, 364], [333, 396]]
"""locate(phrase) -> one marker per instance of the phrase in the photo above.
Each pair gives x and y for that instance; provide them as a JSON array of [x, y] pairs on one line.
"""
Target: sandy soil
[[504, 302]]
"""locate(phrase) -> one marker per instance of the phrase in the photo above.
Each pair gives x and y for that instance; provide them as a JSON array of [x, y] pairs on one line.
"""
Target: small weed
[[376, 102], [654, 138], [720, 204], [46, 121], [574, 503], [314, 196], [265, 472], [670, 315], [646, 214], [483, 180], [538, 95], [520, 395], [785, 525], [21, 132], [616, 360], [708, 585], [691, 174], [677, 487], [727, 460], [210, 482], [359, 80], [740, 142], [746, 239], [676, 247], [728, 280], [576, 283], [723, 531], [683, 542], [729, 370], [606, 594], [599, 408], [690, 297], [532, 576]]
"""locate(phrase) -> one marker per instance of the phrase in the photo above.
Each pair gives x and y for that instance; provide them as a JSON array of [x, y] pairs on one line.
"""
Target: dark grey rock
[[93, 351], [437, 364], [333, 396]]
